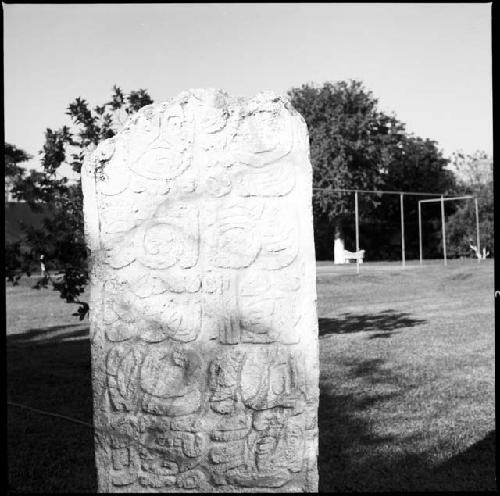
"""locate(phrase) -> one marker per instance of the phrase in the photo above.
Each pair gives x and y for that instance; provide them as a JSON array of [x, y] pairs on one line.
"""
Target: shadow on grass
[[353, 458], [53, 455], [473, 469], [48, 371], [385, 323], [53, 334]]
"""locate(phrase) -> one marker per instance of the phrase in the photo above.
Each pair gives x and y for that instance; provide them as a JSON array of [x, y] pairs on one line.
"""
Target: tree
[[13, 157], [350, 144], [474, 174], [13, 172], [461, 226], [353, 145], [472, 169], [420, 166], [417, 166], [61, 239]]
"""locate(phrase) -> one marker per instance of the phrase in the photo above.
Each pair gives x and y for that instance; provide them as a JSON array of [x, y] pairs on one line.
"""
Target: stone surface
[[203, 320]]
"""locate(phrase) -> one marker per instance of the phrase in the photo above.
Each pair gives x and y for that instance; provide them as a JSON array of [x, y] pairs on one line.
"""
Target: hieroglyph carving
[[203, 323]]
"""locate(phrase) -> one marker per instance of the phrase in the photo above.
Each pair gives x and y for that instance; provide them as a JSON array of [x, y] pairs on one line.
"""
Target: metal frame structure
[[443, 228], [442, 198]]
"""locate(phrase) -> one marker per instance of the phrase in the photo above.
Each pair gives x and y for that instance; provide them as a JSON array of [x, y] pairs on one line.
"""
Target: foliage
[[353, 145], [13, 254], [13, 261], [350, 142], [475, 177], [14, 156], [350, 139], [61, 239], [472, 169], [419, 166]]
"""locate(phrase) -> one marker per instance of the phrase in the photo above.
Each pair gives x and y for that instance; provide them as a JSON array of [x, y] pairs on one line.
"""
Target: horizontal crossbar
[[447, 199], [379, 192]]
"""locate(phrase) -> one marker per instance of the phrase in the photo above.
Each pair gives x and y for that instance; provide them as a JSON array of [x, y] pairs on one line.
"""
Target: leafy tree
[[13, 261], [472, 169], [13, 157], [61, 239], [461, 226], [350, 145], [353, 145], [474, 174], [418, 166]]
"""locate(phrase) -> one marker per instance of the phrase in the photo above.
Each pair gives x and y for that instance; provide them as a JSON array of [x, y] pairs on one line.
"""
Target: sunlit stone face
[[203, 322]]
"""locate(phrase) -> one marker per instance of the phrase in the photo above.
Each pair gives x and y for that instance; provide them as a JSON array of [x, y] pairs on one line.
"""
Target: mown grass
[[407, 383], [407, 379]]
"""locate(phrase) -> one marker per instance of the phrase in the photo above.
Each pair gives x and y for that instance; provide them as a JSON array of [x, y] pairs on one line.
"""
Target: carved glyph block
[[204, 339]]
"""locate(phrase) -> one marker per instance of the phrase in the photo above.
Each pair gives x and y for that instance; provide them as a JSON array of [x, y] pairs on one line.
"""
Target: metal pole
[[443, 229], [477, 232], [356, 214], [403, 253], [448, 199], [420, 231]]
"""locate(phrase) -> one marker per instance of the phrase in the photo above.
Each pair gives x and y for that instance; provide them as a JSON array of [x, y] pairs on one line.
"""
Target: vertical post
[[478, 243], [443, 229], [42, 265], [356, 214], [420, 231], [403, 253]]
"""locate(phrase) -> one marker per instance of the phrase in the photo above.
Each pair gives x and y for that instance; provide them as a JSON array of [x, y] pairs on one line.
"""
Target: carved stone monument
[[203, 321]]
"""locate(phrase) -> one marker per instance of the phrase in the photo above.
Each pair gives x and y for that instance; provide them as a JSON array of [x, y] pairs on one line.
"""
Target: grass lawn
[[407, 382]]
